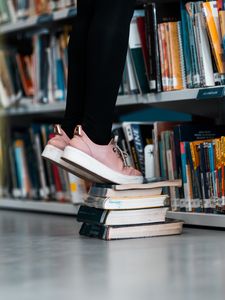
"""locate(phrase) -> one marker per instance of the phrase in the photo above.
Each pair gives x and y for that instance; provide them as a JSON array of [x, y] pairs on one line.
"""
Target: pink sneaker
[[107, 163], [54, 150]]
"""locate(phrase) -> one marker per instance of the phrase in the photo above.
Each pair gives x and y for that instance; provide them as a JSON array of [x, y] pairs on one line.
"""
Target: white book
[[132, 78], [203, 47]]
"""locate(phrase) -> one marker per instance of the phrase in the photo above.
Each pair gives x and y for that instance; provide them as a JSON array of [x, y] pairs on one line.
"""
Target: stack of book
[[127, 211]]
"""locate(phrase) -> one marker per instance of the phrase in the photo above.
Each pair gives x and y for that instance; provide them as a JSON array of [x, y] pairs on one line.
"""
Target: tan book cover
[[164, 62], [177, 80]]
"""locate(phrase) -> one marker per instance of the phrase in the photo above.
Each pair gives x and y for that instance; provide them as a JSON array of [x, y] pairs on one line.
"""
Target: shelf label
[[209, 93], [45, 18]]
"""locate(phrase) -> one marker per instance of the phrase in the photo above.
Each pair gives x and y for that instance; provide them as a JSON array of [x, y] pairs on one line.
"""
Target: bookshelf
[[39, 206], [207, 102], [25, 105], [184, 101], [37, 21]]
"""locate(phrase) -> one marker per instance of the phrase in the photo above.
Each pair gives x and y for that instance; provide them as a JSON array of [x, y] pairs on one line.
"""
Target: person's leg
[[105, 59], [77, 49]]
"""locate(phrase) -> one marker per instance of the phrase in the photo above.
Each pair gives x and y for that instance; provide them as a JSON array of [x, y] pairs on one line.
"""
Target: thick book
[[190, 22], [153, 48], [158, 128], [142, 136], [203, 47], [214, 32], [94, 215], [126, 203], [164, 59], [171, 227], [157, 183], [108, 191], [177, 59], [137, 57], [186, 45], [143, 38]]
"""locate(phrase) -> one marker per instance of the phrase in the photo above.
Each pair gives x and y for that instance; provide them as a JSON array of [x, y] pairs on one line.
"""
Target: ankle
[[97, 136]]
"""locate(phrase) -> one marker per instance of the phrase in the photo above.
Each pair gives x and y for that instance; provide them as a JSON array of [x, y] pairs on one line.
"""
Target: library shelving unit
[[207, 102]]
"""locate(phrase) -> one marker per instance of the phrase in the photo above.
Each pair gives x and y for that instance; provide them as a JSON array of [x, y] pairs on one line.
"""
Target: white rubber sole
[[89, 164], [54, 154]]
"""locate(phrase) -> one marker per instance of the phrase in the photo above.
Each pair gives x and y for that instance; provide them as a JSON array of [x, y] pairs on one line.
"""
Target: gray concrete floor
[[43, 257]]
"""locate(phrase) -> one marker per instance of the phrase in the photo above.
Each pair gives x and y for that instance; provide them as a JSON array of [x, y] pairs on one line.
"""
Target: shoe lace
[[122, 154]]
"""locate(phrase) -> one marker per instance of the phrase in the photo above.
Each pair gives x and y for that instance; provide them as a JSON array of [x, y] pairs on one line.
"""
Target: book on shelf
[[137, 57], [31, 177], [170, 48], [193, 153], [138, 135], [212, 22], [12, 11], [10, 85], [154, 72], [132, 231]]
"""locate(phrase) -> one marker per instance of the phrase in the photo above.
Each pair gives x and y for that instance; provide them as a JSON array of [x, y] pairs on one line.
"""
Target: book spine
[[137, 57], [205, 186], [141, 24], [194, 161], [211, 16], [186, 46], [130, 141], [139, 146], [185, 178], [153, 48], [176, 56], [94, 230], [194, 59], [92, 215]]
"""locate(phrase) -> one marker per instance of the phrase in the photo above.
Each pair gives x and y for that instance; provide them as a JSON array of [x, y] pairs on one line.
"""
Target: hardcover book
[[133, 231], [93, 215], [126, 203]]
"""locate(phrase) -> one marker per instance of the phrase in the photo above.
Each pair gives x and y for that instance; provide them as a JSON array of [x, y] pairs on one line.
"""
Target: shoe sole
[[54, 154], [82, 160]]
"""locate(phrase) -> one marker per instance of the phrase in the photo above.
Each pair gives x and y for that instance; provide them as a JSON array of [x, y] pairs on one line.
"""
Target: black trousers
[[96, 54]]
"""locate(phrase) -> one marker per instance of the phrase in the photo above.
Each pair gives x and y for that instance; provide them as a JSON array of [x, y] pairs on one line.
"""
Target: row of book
[[168, 150], [127, 211], [23, 73], [14, 10], [171, 47], [193, 152], [25, 175], [175, 150], [182, 45]]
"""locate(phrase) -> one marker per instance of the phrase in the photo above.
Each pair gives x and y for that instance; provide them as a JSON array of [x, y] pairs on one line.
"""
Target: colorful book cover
[[212, 21], [190, 24], [186, 45]]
